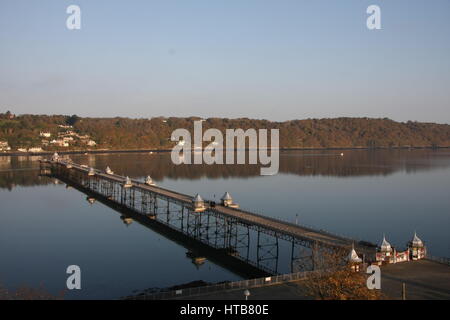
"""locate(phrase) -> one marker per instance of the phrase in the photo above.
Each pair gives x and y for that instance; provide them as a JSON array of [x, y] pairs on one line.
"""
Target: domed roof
[[226, 196], [353, 256], [416, 242], [385, 246]]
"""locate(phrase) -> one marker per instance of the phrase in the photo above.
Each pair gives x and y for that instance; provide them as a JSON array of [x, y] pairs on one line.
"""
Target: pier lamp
[[246, 294]]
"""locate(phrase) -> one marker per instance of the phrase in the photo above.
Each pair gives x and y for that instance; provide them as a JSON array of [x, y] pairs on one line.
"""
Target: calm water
[[44, 227]]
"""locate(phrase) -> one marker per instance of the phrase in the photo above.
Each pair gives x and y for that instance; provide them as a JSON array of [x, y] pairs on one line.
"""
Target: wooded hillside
[[124, 133]]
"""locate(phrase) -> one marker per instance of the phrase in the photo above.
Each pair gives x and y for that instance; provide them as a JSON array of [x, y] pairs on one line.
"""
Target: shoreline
[[106, 151]]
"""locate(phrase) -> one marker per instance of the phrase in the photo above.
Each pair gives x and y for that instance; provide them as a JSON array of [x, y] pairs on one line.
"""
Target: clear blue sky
[[269, 59]]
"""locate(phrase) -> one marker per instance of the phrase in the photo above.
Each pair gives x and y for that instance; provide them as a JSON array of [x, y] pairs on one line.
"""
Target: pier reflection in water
[[362, 194]]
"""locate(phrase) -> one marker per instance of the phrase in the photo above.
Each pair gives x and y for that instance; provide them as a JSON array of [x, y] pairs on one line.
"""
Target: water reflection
[[361, 194], [23, 171]]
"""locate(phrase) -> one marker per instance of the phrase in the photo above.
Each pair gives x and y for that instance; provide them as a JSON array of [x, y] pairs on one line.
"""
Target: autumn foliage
[[145, 133]]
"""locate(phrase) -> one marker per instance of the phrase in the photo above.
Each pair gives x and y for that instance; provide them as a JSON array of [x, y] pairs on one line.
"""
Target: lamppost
[[246, 294]]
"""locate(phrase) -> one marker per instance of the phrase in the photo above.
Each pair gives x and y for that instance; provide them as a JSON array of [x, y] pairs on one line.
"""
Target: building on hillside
[[4, 146], [35, 149], [59, 143], [91, 143], [68, 133], [45, 134]]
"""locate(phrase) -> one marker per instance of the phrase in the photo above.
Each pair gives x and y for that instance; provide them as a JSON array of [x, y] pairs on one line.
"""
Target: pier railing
[[442, 260], [301, 225], [220, 287]]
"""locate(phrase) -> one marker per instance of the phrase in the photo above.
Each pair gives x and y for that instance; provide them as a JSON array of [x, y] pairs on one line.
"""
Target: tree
[[28, 293], [72, 120], [333, 279]]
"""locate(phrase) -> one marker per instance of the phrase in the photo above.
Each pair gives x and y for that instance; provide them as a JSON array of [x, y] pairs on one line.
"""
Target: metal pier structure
[[264, 243]]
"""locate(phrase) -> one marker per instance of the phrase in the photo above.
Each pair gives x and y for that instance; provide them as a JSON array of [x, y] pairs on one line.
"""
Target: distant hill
[[123, 133]]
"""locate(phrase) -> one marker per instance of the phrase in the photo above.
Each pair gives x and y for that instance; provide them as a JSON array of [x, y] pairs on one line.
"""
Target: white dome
[[385, 246], [416, 242]]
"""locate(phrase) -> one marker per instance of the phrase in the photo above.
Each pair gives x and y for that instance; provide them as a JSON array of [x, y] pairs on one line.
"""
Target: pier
[[259, 241]]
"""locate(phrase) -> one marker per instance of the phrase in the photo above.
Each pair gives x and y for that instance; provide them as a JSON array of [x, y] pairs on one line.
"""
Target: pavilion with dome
[[417, 249], [227, 201], [388, 254], [353, 260], [199, 204]]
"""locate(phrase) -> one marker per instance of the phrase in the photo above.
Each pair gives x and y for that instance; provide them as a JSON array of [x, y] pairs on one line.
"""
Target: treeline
[[125, 133]]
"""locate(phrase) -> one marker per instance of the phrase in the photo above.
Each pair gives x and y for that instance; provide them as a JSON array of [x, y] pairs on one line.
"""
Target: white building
[[35, 149], [4, 146], [45, 134], [91, 143], [59, 143]]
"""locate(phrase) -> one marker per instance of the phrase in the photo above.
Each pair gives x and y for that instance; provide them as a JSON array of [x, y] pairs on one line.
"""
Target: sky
[[265, 59]]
